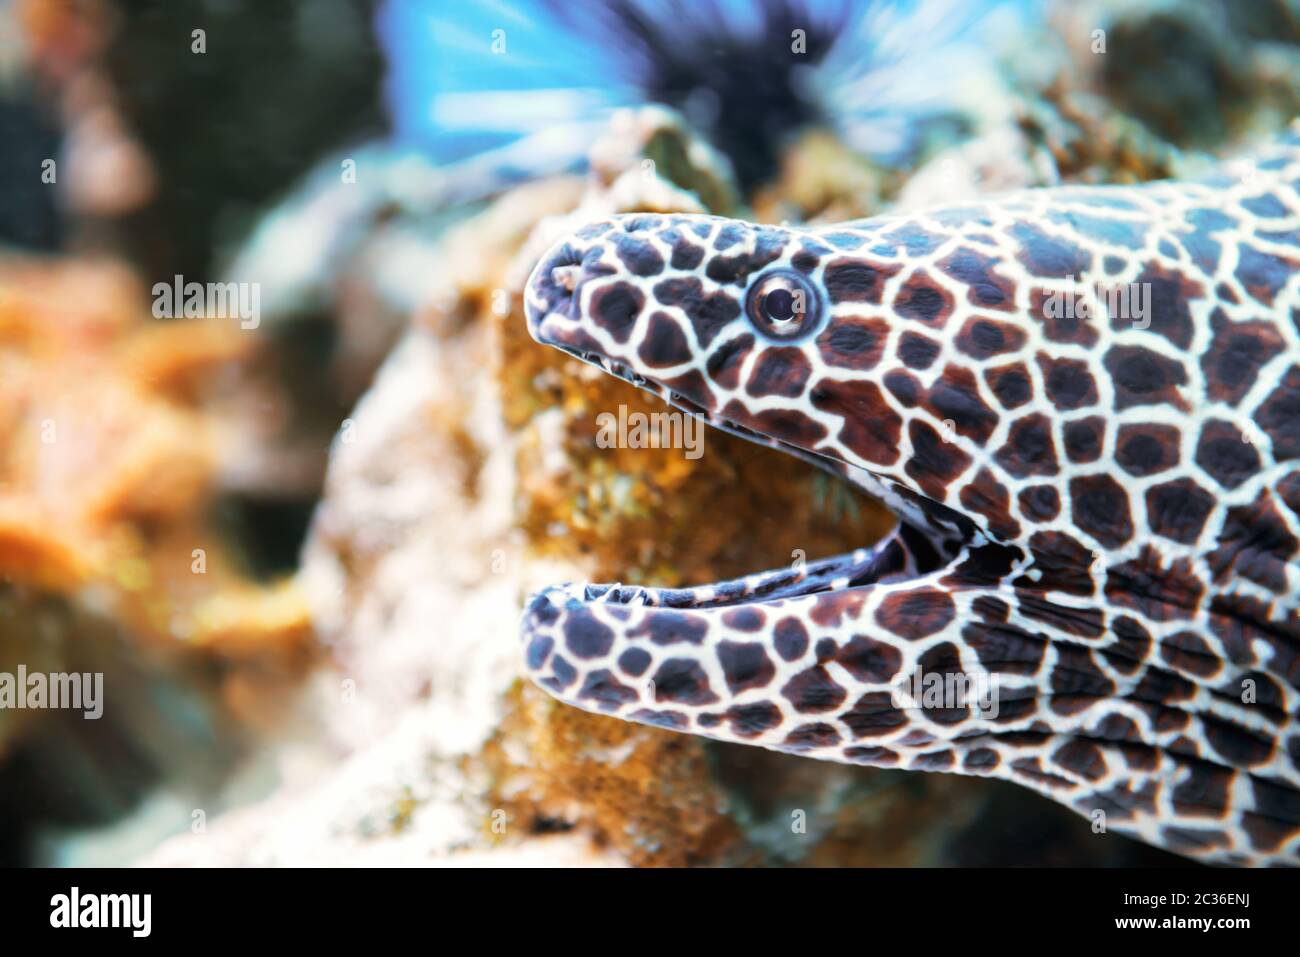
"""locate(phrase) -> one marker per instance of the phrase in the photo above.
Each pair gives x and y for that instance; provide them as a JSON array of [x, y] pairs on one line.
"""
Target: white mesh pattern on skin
[[1084, 406]]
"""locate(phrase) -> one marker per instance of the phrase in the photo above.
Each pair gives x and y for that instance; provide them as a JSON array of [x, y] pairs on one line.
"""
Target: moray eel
[[1083, 405]]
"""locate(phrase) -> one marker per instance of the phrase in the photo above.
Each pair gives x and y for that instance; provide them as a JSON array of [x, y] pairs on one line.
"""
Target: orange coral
[[107, 460], [644, 792]]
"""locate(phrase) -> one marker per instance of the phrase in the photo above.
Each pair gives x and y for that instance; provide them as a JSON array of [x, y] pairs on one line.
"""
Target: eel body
[[1083, 405]]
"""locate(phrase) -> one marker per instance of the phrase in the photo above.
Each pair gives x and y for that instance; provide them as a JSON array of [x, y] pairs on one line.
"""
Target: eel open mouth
[[862, 566], [556, 319]]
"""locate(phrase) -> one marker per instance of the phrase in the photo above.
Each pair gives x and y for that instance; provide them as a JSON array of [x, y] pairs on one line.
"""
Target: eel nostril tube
[[566, 277]]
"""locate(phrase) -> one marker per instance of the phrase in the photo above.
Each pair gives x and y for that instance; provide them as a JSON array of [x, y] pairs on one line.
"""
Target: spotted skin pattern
[[1098, 511]]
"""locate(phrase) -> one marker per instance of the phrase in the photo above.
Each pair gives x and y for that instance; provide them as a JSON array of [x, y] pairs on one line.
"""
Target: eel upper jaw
[[621, 371], [553, 292]]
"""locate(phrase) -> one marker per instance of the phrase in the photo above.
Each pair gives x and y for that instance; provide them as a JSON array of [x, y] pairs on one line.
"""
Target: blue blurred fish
[[748, 74], [485, 94]]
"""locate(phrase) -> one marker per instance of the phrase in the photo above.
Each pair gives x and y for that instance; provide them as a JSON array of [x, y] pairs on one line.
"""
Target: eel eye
[[782, 304]]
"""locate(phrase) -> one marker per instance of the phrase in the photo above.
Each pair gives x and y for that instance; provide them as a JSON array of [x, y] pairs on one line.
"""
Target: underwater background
[[294, 535]]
